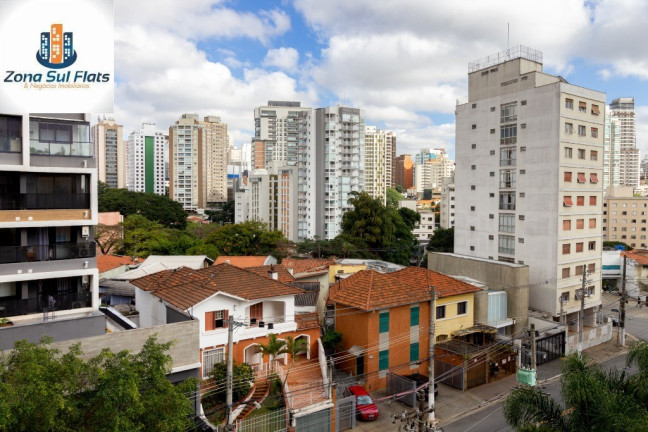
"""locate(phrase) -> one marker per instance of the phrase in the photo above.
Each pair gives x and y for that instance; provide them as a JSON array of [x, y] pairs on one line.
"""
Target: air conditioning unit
[[85, 250]]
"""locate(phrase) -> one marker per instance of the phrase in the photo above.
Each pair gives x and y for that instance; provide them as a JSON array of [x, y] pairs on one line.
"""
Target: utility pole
[[431, 359], [533, 348], [581, 313], [230, 367], [623, 304], [561, 310]]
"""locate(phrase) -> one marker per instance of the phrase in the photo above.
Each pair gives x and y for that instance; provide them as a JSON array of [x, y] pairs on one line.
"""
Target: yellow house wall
[[453, 322], [346, 269]]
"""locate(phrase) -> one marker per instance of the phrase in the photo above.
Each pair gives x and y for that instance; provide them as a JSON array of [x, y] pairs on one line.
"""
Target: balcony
[[52, 252], [60, 138], [53, 303], [42, 201]]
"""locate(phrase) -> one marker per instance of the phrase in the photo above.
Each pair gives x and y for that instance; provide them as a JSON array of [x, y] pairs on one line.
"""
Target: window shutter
[[225, 318], [209, 321]]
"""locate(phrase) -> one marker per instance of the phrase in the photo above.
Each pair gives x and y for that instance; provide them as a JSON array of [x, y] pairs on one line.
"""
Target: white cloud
[[282, 58]]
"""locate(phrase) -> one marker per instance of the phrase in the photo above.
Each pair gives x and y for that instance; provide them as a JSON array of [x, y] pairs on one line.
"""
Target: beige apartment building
[[110, 152], [216, 154], [625, 217], [379, 148]]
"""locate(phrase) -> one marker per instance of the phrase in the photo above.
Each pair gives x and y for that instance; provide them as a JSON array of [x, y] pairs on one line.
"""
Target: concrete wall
[[61, 329], [591, 337], [512, 278]]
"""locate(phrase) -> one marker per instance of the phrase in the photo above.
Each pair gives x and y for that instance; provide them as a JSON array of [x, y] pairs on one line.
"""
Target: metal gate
[[454, 375], [399, 384], [345, 414], [548, 348]]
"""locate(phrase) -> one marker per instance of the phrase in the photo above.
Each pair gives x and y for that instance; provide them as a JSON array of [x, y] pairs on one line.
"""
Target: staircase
[[261, 389]]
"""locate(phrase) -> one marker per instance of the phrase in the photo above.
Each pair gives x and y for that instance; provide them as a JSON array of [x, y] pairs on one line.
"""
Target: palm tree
[[294, 347], [273, 348], [594, 399]]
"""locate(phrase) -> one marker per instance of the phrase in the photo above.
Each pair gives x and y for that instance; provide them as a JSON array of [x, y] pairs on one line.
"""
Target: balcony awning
[[595, 110], [594, 178], [581, 178], [567, 201], [582, 104]]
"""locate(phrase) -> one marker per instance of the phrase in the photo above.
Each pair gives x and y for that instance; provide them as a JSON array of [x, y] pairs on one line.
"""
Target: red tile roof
[[283, 274], [242, 261], [638, 255], [110, 262], [369, 289], [306, 320], [185, 287], [307, 265]]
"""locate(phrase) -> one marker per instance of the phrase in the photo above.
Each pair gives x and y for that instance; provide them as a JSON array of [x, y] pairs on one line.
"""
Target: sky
[[404, 62]]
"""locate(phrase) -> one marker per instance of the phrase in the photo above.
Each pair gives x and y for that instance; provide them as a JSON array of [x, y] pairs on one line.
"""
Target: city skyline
[[404, 64]]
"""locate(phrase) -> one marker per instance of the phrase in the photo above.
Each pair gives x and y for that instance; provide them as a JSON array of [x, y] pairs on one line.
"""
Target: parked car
[[422, 379], [366, 409]]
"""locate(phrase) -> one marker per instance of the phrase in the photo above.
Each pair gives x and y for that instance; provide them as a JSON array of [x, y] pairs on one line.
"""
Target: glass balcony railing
[[50, 148], [42, 201], [57, 302], [51, 252]]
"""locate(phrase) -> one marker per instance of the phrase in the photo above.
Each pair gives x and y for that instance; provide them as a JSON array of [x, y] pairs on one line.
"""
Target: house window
[[462, 308], [564, 297], [210, 359], [593, 178], [569, 128], [383, 360], [508, 112], [582, 130], [567, 176], [578, 270], [414, 316], [508, 134], [566, 225], [569, 103], [414, 352], [591, 246], [440, 312], [594, 132], [582, 107], [581, 153], [593, 155], [256, 312], [216, 319], [507, 201], [566, 249], [581, 177], [567, 201], [592, 223], [592, 200], [506, 244], [565, 273], [383, 322], [580, 200], [507, 179], [507, 223], [591, 268], [595, 109], [579, 247], [568, 152]]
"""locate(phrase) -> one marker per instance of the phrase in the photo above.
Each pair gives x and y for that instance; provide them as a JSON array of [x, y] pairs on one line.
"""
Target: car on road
[[422, 379], [366, 409]]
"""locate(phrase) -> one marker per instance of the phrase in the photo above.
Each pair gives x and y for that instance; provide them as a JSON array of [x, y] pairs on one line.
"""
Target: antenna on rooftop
[[508, 40]]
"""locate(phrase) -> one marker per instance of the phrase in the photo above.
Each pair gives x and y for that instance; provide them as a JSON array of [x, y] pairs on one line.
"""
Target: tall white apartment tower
[[378, 162], [528, 180], [107, 137], [331, 162], [275, 133], [187, 163], [621, 144], [147, 153]]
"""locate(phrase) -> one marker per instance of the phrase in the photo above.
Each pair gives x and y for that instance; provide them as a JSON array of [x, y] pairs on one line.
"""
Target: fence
[[398, 384], [273, 421]]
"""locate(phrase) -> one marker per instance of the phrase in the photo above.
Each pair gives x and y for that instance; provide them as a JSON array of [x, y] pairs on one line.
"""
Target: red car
[[366, 409]]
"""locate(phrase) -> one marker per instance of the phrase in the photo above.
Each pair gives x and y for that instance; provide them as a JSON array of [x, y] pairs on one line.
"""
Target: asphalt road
[[491, 419]]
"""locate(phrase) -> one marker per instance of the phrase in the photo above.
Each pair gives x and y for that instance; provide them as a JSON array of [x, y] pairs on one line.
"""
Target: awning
[[582, 105], [356, 350], [594, 178], [567, 201], [501, 323], [581, 178], [595, 110]]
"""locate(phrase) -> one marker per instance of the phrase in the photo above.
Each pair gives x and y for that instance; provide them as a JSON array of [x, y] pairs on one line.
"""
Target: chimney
[[272, 274], [226, 261]]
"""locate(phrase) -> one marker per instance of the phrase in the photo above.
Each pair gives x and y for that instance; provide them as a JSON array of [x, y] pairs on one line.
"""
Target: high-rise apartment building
[[110, 152], [187, 164], [404, 171], [331, 163], [379, 147], [528, 182], [275, 133], [48, 210], [430, 168], [147, 159], [447, 204], [625, 217], [622, 158], [216, 149]]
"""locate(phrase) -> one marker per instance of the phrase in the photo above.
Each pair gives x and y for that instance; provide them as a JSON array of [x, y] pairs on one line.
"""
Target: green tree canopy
[[442, 240], [248, 238], [243, 374], [157, 208], [143, 237], [41, 390], [393, 196]]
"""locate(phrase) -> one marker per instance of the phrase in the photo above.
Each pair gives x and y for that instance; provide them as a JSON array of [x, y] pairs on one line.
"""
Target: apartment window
[[508, 134], [523, 148], [593, 155], [579, 247], [521, 217], [383, 360], [440, 312], [472, 228], [472, 208], [491, 108], [210, 359], [581, 177], [473, 146], [216, 319], [506, 244], [594, 132], [566, 225], [567, 201], [592, 223], [580, 200], [582, 107], [524, 102], [580, 223], [565, 273], [581, 153], [474, 126], [492, 131], [520, 240], [472, 187], [522, 194], [564, 297], [492, 152], [578, 270], [383, 322], [507, 223], [414, 352], [593, 178], [507, 179], [462, 308], [507, 201], [592, 200], [473, 167], [595, 109], [474, 105], [507, 156], [414, 316], [567, 176], [569, 128], [566, 249], [582, 130], [492, 173], [569, 103], [591, 246], [568, 152], [508, 112]]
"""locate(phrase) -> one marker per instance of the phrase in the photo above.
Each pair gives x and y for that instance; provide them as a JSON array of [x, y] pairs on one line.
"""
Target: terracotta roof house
[[274, 271], [259, 304], [112, 265], [385, 317], [246, 261], [157, 263]]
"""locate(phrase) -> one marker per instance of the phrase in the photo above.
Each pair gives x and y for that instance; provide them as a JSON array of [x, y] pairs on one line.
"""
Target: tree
[[247, 238], [141, 236], [273, 348], [400, 189], [293, 347], [393, 196], [108, 237], [243, 374], [612, 244], [332, 340], [442, 240], [410, 217], [223, 215], [41, 390], [594, 399]]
